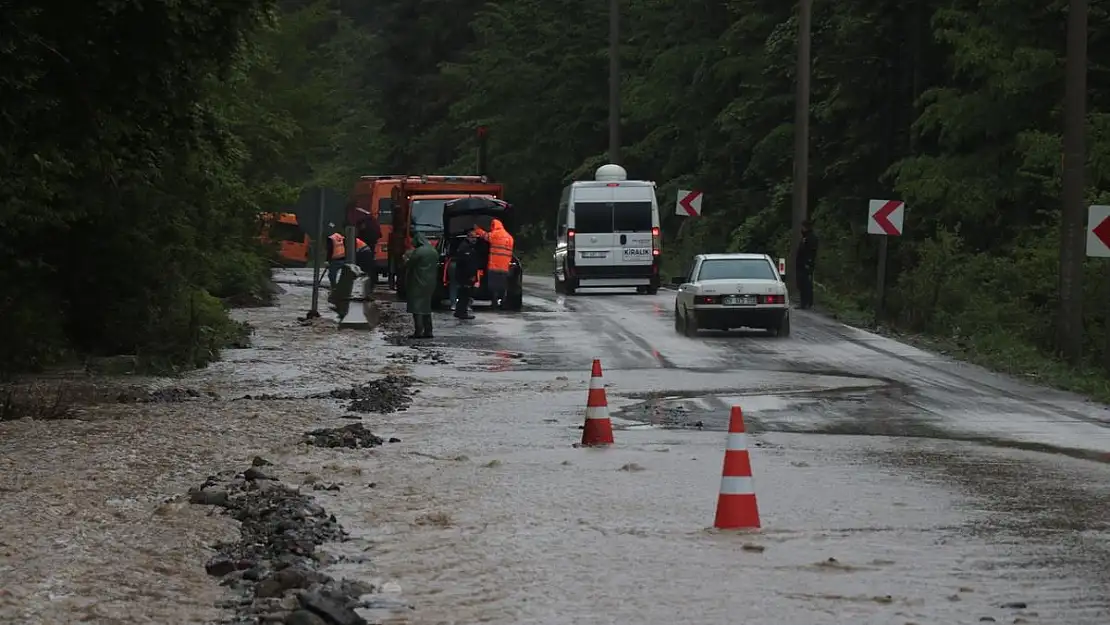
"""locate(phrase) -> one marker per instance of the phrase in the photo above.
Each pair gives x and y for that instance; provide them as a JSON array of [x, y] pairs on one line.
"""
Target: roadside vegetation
[[129, 213]]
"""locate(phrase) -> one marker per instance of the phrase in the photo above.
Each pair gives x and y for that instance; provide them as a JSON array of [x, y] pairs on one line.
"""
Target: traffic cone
[[736, 505], [598, 430]]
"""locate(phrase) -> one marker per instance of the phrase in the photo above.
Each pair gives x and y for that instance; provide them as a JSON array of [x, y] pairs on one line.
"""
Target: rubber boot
[[427, 327], [418, 327]]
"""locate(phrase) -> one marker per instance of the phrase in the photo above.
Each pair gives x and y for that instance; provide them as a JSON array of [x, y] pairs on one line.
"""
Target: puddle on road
[[891, 411]]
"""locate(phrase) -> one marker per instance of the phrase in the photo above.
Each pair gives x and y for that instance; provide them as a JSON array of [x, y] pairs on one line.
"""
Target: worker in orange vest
[[337, 254], [500, 259]]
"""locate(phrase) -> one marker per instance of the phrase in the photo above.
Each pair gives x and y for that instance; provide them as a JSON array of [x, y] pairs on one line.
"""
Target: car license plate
[[593, 254], [637, 253], [739, 300]]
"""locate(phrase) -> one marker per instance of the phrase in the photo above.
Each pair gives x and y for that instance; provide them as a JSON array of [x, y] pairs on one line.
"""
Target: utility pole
[[614, 82], [1072, 216], [801, 138]]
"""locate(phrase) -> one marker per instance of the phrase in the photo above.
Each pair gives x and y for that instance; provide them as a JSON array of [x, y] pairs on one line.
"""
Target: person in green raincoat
[[420, 284]]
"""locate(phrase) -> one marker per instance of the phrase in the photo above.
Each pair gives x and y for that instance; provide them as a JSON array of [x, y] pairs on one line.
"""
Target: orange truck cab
[[373, 196], [394, 200], [292, 242]]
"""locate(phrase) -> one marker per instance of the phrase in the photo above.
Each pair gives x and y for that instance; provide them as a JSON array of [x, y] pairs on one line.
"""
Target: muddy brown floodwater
[[89, 527]]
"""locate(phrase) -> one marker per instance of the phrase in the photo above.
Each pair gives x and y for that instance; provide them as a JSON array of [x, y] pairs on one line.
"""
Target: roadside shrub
[[193, 328]]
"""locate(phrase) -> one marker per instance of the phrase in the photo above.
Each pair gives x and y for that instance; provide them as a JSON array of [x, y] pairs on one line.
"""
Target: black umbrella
[[475, 204]]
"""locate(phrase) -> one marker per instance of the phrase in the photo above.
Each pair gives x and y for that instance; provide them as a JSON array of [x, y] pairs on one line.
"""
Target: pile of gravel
[[170, 395], [420, 354], [392, 393], [274, 566], [353, 436]]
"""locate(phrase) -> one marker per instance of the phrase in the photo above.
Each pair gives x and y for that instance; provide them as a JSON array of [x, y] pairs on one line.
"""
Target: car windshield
[[428, 215], [737, 269]]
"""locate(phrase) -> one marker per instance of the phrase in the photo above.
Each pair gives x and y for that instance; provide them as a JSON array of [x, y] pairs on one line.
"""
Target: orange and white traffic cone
[[598, 430], [736, 505]]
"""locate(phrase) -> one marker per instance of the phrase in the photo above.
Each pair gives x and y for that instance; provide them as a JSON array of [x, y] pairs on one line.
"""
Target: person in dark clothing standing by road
[[805, 263], [466, 270], [369, 231]]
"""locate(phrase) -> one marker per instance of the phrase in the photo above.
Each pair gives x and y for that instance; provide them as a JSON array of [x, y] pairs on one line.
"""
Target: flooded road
[[895, 486]]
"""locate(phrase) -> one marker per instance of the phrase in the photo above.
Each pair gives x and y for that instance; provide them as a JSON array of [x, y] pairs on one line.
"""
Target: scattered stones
[[420, 354], [253, 475], [267, 397], [274, 566], [169, 395], [353, 436], [391, 393]]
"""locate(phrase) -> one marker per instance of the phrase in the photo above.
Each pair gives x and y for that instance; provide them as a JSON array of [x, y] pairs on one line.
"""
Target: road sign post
[[318, 205], [314, 312], [886, 219], [1098, 246], [688, 203]]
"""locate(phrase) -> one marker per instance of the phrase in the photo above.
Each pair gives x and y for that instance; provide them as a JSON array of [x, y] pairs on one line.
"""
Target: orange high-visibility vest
[[339, 246], [500, 250]]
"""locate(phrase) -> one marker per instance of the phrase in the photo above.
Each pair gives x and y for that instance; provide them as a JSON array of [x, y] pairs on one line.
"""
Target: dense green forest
[[145, 136]]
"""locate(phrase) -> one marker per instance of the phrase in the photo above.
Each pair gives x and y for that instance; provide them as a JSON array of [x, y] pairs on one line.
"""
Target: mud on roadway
[[327, 476]]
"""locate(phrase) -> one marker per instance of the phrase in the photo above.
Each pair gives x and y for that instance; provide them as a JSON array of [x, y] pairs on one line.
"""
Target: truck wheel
[[516, 302]]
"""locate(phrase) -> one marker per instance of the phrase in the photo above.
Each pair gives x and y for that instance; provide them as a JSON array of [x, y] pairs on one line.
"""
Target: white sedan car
[[725, 291]]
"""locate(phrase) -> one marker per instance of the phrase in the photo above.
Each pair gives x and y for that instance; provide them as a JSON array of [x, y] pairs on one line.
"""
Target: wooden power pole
[[1072, 218], [614, 82], [801, 139]]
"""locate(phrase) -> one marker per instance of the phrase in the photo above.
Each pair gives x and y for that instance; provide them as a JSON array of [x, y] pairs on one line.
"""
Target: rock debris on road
[[353, 436], [895, 486], [274, 564]]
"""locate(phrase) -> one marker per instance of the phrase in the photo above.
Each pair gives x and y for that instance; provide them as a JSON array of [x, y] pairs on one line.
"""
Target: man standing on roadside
[[500, 260], [420, 285], [466, 270], [805, 263]]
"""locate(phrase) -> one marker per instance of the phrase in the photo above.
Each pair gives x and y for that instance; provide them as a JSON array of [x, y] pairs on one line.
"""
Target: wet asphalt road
[[835, 379], [1031, 465]]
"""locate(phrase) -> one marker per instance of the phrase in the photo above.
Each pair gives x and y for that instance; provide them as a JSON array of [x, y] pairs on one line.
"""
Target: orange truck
[[398, 201], [284, 230]]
